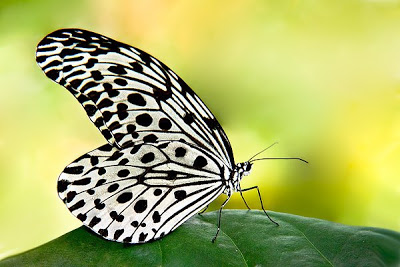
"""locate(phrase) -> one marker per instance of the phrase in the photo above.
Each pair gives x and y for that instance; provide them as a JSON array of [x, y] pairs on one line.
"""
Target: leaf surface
[[247, 238]]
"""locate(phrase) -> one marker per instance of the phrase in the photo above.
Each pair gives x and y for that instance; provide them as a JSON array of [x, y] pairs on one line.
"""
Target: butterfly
[[167, 157]]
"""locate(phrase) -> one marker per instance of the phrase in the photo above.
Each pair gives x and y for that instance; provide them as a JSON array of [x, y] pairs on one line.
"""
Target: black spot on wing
[[108, 87], [118, 233], [122, 111], [74, 170], [113, 214], [70, 196], [156, 217], [99, 205], [53, 74], [82, 217], [76, 83], [100, 182], [101, 171], [135, 149], [211, 123], [124, 197], [67, 68], [144, 119], [188, 119], [121, 82], [122, 115], [115, 125], [134, 135], [90, 192], [140, 206], [180, 194], [163, 145], [130, 128], [95, 220], [123, 162], [96, 75], [136, 66], [172, 175], [136, 99], [107, 115], [127, 239], [91, 62], [77, 205], [117, 69], [120, 218], [89, 85], [150, 138], [164, 124], [142, 237], [148, 157], [113, 188], [105, 148], [180, 152], [105, 103], [199, 162], [161, 95], [62, 185], [122, 107], [123, 173], [103, 232], [94, 160], [83, 181], [118, 136]]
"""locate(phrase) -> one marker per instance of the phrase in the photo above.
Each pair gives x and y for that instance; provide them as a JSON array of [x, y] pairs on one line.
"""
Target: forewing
[[129, 95], [138, 194]]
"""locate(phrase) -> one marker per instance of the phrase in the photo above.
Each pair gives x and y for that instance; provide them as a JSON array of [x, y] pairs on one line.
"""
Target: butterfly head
[[246, 167], [240, 170]]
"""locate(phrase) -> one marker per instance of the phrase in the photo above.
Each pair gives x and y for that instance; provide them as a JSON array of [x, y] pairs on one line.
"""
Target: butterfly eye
[[248, 167]]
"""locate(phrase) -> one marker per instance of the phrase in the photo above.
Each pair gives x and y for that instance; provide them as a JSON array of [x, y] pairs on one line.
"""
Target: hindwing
[[141, 193]]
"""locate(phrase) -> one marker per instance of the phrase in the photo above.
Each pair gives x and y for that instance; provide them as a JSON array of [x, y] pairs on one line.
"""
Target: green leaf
[[247, 238]]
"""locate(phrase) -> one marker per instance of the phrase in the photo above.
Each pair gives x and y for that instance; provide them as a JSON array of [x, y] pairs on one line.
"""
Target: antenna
[[262, 151], [278, 158]]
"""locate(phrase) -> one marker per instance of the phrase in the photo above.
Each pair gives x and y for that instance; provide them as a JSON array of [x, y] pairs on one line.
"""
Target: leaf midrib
[[238, 249], [309, 241]]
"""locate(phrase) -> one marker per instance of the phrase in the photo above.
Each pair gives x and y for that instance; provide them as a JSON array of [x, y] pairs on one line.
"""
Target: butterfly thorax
[[240, 170]]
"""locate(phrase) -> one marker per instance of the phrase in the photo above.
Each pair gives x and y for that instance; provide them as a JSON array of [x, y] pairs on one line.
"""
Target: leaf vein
[[315, 248], [241, 254]]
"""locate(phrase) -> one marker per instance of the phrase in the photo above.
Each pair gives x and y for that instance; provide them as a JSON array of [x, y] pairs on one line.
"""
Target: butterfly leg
[[219, 215], [262, 205], [244, 200], [203, 210]]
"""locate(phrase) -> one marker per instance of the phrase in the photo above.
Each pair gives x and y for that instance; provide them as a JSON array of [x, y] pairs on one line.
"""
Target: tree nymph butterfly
[[167, 157]]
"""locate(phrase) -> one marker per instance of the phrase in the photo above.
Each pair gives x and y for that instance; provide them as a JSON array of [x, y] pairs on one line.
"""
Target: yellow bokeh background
[[322, 78]]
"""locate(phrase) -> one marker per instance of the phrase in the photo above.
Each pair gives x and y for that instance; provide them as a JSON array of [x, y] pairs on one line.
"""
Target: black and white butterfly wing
[[140, 193], [167, 156], [129, 95]]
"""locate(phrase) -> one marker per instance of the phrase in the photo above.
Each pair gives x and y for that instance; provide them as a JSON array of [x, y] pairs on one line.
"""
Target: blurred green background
[[320, 77]]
